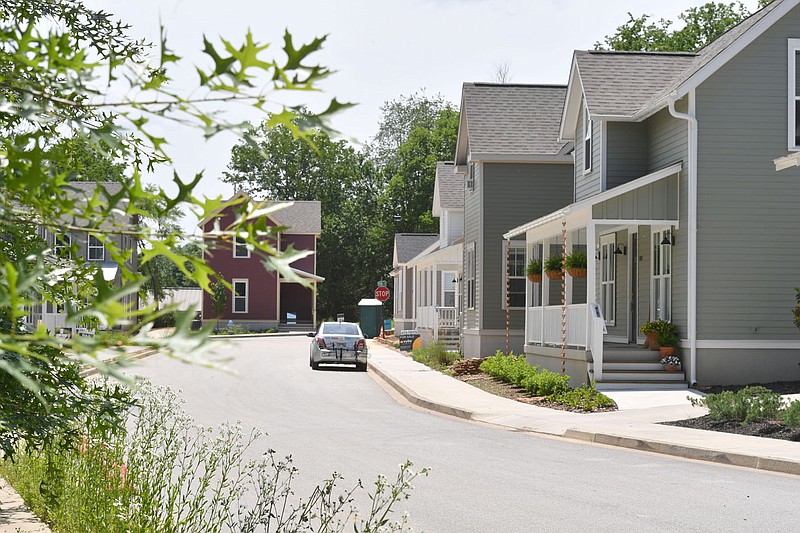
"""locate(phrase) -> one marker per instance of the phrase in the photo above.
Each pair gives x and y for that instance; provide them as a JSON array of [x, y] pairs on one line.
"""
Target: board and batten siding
[[514, 193], [748, 213], [472, 233], [626, 152], [588, 183]]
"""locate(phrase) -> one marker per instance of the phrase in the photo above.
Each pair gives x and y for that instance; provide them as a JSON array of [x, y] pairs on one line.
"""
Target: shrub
[[750, 404], [534, 267], [546, 383], [791, 414], [166, 320], [659, 326], [667, 338], [509, 368], [576, 259], [554, 263], [586, 398], [435, 355]]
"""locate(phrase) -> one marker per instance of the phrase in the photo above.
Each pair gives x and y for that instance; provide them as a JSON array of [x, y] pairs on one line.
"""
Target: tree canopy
[[701, 25]]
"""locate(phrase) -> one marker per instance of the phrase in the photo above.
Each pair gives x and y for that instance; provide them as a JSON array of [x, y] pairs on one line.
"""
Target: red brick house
[[261, 299]]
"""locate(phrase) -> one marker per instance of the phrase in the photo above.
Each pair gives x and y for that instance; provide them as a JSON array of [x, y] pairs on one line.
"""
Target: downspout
[[691, 174]]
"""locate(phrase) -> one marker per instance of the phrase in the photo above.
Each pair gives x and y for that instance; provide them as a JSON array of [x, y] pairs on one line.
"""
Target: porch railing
[[544, 325], [436, 317]]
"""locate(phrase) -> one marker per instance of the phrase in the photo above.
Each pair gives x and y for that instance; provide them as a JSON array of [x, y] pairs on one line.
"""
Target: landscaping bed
[[771, 429]]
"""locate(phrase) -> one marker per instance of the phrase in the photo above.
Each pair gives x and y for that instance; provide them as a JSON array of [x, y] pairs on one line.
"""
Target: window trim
[[519, 246], [444, 291], [609, 243], [90, 247], [246, 296], [62, 245], [239, 242], [470, 181], [470, 274], [793, 98], [588, 142], [661, 277]]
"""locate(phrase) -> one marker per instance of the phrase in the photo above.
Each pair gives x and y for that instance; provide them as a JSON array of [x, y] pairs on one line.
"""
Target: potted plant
[[652, 328], [534, 270], [553, 267], [575, 264], [667, 342], [671, 363]]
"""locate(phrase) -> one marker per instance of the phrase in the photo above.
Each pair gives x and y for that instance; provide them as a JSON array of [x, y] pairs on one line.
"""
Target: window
[[471, 177], [448, 289], [608, 277], [794, 94], [63, 246], [399, 281], [514, 271], [587, 141], [240, 291], [469, 275], [240, 249], [662, 276], [95, 250]]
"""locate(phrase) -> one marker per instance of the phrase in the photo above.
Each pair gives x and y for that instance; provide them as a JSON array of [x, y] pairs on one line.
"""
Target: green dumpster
[[370, 317]]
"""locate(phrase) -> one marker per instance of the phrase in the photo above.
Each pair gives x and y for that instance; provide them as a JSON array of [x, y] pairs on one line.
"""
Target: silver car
[[338, 342]]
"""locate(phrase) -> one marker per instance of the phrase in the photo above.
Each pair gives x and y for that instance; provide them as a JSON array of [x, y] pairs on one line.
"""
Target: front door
[[633, 262]]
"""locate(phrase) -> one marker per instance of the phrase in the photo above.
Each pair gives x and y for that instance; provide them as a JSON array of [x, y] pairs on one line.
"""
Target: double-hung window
[[794, 94], [240, 295], [515, 276], [62, 246], [662, 276], [587, 141], [240, 248], [95, 249], [448, 289], [470, 181], [608, 277], [469, 275]]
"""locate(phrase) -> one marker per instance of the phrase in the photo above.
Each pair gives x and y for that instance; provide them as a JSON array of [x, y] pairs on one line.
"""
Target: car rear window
[[340, 329]]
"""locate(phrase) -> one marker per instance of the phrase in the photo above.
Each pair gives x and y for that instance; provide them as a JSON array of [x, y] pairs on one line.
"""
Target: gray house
[[407, 246], [681, 209], [73, 247], [513, 166]]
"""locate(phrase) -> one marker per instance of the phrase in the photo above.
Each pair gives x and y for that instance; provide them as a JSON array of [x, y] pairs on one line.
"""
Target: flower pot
[[535, 278], [652, 341], [553, 274], [577, 272], [666, 351], [671, 368]]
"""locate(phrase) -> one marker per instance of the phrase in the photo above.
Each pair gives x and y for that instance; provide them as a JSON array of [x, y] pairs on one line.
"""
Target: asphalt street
[[482, 479]]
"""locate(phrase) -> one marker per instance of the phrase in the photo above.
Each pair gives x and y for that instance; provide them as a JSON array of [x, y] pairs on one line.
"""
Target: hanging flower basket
[[577, 272], [535, 278], [553, 274]]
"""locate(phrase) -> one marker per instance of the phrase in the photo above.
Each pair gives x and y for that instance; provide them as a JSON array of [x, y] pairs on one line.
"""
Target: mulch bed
[[769, 430]]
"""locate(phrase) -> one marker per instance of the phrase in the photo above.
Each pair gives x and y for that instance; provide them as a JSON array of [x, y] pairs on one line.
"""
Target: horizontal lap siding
[[626, 152], [515, 193], [668, 140], [748, 219]]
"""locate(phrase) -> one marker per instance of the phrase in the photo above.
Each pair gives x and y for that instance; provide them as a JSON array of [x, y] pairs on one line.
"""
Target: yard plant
[[747, 405], [435, 355]]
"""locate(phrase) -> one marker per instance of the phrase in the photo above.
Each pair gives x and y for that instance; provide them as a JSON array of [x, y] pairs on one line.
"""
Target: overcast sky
[[382, 50]]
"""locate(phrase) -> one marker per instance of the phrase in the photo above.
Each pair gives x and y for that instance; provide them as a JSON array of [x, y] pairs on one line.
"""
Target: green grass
[[435, 355]]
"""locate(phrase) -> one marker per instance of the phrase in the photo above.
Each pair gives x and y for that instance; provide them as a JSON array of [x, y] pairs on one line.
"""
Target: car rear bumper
[[340, 356]]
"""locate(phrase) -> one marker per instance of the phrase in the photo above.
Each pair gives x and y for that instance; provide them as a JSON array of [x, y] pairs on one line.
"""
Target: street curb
[[141, 354], [261, 335], [688, 452], [421, 402], [652, 446]]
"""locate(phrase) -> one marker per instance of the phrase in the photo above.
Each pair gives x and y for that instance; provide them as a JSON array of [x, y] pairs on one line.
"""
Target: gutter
[[691, 172]]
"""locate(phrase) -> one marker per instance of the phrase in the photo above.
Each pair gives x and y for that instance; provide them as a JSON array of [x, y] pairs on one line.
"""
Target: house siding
[[472, 233], [588, 183], [301, 241], [627, 154], [748, 216], [515, 193], [668, 139]]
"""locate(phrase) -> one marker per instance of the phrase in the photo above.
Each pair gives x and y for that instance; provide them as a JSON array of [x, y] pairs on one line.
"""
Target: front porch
[[590, 322]]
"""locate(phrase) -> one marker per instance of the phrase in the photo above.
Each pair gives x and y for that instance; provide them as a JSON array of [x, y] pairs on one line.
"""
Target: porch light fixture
[[668, 239], [620, 250], [397, 217]]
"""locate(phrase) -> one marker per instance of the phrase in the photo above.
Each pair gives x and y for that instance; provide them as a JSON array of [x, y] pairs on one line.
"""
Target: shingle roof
[[300, 217], [410, 245], [627, 83], [513, 119], [85, 190], [622, 83], [450, 186]]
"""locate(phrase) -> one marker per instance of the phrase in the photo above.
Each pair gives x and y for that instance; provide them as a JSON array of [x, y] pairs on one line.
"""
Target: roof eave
[[569, 116]]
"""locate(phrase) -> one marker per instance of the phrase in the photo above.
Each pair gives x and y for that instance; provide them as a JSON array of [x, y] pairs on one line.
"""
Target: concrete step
[[611, 385], [629, 354], [651, 366], [642, 375]]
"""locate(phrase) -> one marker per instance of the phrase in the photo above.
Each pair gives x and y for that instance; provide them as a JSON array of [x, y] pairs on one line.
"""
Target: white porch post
[[435, 300], [591, 297]]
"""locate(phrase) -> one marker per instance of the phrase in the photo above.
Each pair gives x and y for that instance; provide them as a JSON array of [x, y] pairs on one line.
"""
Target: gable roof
[[633, 85], [510, 120], [448, 189], [300, 216], [407, 246]]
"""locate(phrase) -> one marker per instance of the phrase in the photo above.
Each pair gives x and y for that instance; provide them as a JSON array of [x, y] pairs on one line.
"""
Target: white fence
[[543, 325], [435, 318]]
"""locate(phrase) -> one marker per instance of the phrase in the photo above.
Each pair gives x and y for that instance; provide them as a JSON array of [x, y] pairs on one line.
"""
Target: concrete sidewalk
[[635, 425]]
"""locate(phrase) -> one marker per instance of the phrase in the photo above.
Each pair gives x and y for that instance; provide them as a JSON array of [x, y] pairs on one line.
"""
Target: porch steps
[[450, 338], [629, 367]]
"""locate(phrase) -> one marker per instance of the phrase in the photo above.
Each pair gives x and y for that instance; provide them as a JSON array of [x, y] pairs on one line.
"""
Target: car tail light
[[321, 343], [361, 345]]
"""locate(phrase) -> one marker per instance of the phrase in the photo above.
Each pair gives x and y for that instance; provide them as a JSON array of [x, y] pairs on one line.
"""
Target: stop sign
[[382, 294]]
